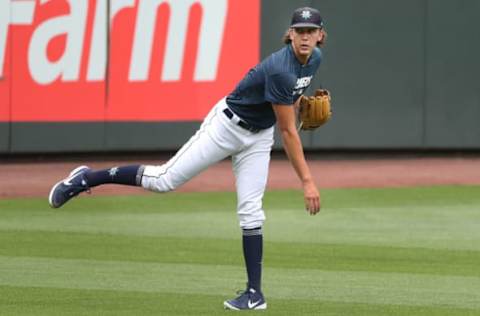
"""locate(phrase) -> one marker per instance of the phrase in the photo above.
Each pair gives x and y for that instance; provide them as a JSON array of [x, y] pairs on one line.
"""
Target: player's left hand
[[312, 198]]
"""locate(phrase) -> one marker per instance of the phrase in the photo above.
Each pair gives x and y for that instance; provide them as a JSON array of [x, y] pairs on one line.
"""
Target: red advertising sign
[[5, 93], [127, 60], [4, 67]]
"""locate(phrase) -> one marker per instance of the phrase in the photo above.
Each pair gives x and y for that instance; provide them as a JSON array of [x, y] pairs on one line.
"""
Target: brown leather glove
[[315, 110]]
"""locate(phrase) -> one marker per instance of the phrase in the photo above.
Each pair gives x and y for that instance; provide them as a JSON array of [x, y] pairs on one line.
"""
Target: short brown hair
[[287, 40]]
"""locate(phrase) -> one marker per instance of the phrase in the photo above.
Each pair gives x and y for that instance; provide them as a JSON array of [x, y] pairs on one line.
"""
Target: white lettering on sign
[[73, 26], [210, 39], [15, 13], [67, 66], [98, 50]]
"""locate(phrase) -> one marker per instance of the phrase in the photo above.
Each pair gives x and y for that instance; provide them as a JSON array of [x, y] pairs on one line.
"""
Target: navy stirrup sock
[[127, 175], [252, 252]]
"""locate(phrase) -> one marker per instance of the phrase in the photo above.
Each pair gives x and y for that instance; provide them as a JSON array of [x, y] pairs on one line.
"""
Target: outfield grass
[[411, 251]]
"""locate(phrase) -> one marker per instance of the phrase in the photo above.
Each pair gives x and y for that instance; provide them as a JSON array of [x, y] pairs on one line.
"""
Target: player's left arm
[[296, 105], [293, 147]]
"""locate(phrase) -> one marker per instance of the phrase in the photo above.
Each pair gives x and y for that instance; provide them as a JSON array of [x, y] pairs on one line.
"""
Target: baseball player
[[240, 126]]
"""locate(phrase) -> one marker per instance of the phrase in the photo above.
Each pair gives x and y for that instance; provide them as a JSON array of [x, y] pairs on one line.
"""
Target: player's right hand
[[312, 198]]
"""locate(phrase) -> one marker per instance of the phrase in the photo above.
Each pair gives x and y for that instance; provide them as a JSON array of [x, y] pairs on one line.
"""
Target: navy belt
[[241, 123]]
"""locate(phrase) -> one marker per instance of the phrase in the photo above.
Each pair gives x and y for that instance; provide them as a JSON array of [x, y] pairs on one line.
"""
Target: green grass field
[[411, 251]]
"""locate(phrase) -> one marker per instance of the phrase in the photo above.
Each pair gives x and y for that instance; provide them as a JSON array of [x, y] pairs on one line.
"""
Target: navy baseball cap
[[306, 17]]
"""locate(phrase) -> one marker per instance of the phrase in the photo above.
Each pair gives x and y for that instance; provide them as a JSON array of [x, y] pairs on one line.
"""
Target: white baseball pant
[[220, 137]]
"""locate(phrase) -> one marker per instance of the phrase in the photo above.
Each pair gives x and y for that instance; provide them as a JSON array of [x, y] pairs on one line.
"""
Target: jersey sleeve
[[279, 88]]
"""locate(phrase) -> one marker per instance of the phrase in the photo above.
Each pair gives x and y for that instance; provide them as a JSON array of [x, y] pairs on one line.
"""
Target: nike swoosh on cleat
[[252, 305], [67, 181]]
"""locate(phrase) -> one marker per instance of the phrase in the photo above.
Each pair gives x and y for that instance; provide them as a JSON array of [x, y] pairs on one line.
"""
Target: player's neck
[[302, 59]]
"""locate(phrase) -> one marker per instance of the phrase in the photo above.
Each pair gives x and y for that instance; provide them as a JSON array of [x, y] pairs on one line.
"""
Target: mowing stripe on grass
[[51, 301], [436, 218], [412, 251], [350, 287], [341, 257], [423, 227]]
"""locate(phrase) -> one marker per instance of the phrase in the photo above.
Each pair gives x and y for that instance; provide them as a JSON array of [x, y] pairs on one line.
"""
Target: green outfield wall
[[403, 75]]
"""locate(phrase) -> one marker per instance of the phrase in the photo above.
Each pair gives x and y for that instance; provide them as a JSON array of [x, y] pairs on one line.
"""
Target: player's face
[[304, 40]]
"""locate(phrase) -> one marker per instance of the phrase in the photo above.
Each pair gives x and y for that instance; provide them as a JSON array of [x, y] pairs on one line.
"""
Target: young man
[[241, 126]]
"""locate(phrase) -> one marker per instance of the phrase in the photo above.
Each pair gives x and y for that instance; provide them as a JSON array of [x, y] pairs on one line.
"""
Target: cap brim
[[312, 25]]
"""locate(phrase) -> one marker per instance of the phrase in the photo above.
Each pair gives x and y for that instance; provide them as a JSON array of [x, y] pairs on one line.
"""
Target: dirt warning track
[[34, 179]]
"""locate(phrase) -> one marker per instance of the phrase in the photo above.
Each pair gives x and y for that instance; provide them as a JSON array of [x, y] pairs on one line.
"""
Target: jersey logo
[[302, 84]]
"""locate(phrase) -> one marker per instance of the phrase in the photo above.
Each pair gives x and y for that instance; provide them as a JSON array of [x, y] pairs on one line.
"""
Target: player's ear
[[322, 37], [290, 33]]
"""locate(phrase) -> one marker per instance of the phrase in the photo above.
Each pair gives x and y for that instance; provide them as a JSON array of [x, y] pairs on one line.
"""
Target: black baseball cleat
[[69, 187], [248, 300]]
